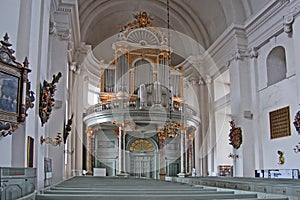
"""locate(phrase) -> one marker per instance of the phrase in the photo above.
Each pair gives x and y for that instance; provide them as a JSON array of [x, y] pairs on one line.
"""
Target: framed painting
[[30, 148], [280, 125], [14, 88], [9, 93]]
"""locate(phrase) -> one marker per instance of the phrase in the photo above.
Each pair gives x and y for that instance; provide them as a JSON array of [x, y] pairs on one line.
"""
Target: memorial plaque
[[280, 123]]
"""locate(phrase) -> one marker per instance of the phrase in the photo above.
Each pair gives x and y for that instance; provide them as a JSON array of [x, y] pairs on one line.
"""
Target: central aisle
[[114, 188]]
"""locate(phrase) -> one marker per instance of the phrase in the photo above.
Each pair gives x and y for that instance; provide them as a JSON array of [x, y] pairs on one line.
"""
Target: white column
[[253, 114], [196, 89], [241, 99], [55, 124], [203, 129], [36, 13], [124, 151], [121, 158], [296, 32], [211, 129], [182, 154], [162, 161]]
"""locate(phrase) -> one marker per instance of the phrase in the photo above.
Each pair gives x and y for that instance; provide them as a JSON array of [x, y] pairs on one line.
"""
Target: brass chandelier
[[170, 128]]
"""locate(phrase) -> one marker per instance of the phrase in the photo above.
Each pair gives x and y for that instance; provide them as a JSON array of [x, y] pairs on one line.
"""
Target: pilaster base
[[122, 174], [182, 175], [162, 176]]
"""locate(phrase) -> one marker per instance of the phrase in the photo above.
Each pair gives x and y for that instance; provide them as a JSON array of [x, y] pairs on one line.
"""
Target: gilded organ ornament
[[142, 20], [141, 145]]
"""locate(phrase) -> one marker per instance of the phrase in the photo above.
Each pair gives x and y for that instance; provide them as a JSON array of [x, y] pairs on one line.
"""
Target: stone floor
[[114, 188]]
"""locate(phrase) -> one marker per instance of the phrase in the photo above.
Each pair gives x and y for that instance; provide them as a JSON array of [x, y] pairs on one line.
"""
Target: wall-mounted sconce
[[233, 156], [297, 148], [54, 142]]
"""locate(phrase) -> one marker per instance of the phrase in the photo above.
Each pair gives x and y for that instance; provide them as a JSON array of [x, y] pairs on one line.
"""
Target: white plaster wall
[[276, 96], [223, 149], [57, 63], [10, 20], [5, 146], [33, 33], [296, 44], [8, 24]]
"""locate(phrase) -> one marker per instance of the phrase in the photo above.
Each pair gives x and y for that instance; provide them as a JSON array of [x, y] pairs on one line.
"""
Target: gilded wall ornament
[[67, 129], [297, 122], [47, 100], [235, 135], [281, 159]]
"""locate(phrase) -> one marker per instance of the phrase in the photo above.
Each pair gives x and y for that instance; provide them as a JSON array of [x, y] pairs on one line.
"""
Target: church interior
[[110, 95]]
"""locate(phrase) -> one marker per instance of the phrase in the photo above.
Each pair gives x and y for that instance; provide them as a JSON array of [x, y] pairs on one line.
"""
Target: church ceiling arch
[[96, 15], [203, 20]]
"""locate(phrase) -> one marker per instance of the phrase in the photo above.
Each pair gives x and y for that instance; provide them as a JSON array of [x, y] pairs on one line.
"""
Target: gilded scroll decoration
[[67, 129], [142, 20], [47, 100], [235, 135], [297, 122]]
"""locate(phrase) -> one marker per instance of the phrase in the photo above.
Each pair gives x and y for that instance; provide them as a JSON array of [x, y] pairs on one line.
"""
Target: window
[[93, 94], [222, 85], [276, 65]]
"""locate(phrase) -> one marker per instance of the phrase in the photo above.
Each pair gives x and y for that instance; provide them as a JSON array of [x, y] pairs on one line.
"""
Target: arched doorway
[[143, 158]]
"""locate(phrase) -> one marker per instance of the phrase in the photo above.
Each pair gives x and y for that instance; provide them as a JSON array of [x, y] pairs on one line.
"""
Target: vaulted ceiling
[[203, 20]]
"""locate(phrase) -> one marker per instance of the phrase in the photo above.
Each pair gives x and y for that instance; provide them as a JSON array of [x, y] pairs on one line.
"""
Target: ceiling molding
[[74, 18]]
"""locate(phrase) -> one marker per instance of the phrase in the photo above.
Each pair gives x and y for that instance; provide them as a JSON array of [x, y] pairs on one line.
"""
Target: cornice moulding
[[265, 15], [254, 34], [72, 7]]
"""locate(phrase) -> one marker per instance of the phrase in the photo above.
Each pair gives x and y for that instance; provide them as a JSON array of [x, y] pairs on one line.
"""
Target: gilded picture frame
[[280, 124], [10, 93]]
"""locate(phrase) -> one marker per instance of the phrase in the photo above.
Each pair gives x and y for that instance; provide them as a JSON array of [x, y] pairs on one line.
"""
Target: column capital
[[241, 55], [91, 131], [73, 66], [289, 18], [253, 53], [208, 79], [201, 81], [193, 81]]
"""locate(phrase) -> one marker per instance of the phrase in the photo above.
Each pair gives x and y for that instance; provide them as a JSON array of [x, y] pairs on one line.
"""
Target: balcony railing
[[135, 105]]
